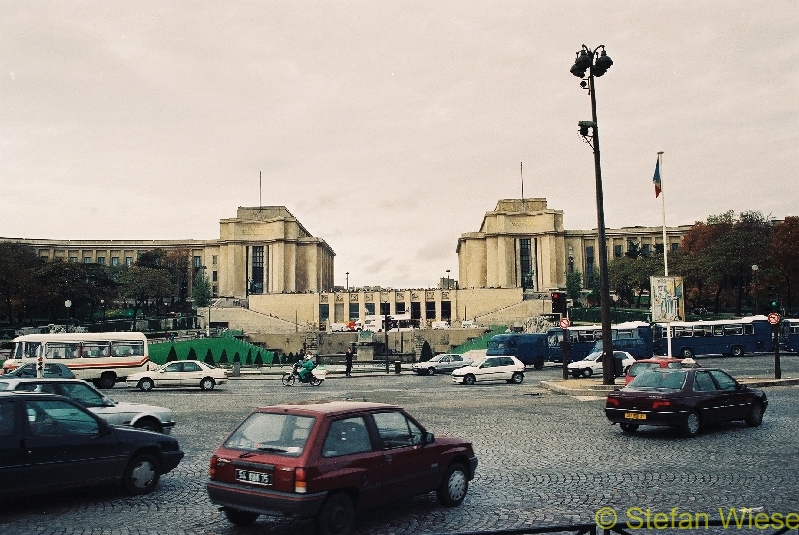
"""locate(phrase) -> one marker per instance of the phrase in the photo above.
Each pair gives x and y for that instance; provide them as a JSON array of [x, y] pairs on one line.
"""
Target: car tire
[[142, 474], [106, 381], [240, 518], [586, 372], [628, 428], [577, 373], [755, 417], [737, 351], [687, 353], [149, 424], [336, 516], [207, 384], [288, 379], [431, 371], [146, 384], [468, 379], [517, 378], [690, 427], [454, 486]]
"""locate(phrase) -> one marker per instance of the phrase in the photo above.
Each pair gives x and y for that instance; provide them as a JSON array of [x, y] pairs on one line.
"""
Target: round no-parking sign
[[564, 323], [773, 318]]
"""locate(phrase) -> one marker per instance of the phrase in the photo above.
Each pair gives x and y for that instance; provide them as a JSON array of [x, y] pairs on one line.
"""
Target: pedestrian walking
[[348, 362]]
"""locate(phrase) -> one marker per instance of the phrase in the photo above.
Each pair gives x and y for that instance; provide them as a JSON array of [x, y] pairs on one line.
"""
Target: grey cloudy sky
[[387, 128]]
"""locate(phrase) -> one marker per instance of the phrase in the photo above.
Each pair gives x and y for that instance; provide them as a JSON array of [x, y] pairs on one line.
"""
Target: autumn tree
[[17, 283], [141, 284], [784, 248]]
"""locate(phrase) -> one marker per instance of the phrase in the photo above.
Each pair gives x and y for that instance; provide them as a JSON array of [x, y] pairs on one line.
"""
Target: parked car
[[67, 446], [498, 368], [685, 398], [179, 373], [444, 363], [655, 363], [114, 412], [592, 364], [49, 369], [327, 460]]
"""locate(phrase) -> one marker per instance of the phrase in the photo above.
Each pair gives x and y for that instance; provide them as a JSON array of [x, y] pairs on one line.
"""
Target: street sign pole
[[774, 319], [565, 346]]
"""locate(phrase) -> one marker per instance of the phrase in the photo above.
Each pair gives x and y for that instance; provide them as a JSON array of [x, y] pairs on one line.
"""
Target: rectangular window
[[416, 310], [525, 263], [257, 283], [213, 276], [73, 259], [446, 311], [198, 262], [87, 259], [128, 261], [213, 291], [399, 308], [114, 260], [430, 309], [213, 259], [646, 249], [674, 247], [658, 248], [617, 253], [101, 260], [385, 308], [324, 312], [354, 311], [370, 309]]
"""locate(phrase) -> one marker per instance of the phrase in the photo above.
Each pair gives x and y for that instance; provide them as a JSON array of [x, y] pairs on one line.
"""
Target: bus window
[[624, 334], [127, 349], [733, 329], [682, 332], [705, 330], [718, 330], [61, 350], [95, 349]]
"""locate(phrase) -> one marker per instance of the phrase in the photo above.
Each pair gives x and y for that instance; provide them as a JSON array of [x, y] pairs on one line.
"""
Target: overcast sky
[[388, 128]]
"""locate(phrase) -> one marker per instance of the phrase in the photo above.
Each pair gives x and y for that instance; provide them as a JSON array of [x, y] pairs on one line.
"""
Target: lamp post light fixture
[[596, 63], [68, 305], [447, 280], [348, 281]]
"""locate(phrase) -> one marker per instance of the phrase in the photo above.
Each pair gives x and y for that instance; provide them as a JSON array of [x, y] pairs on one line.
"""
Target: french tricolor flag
[[656, 179]]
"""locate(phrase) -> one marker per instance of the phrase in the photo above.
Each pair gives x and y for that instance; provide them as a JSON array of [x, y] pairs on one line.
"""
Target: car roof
[[660, 359], [16, 394], [328, 407], [42, 379]]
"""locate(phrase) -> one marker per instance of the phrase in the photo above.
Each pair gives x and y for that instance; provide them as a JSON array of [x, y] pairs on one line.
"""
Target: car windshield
[[640, 367], [594, 356], [479, 362], [284, 434], [436, 358], [661, 379]]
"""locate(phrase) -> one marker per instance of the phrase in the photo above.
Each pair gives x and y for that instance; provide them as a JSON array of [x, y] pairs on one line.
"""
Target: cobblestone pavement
[[545, 459]]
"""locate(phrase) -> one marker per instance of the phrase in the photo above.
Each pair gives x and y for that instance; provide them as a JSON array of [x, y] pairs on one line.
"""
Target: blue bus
[[639, 338], [789, 335], [734, 337]]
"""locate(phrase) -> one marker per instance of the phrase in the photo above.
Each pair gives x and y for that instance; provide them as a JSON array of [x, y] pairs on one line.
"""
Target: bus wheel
[[687, 353], [106, 380], [737, 351]]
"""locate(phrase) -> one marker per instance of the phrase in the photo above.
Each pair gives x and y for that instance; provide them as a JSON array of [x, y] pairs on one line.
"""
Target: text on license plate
[[634, 416], [256, 478]]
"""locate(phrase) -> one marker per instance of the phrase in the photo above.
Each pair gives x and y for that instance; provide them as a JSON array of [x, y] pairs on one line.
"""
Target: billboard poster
[[667, 299]]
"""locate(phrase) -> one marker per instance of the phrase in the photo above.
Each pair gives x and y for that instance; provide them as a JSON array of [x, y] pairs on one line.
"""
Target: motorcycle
[[315, 378]]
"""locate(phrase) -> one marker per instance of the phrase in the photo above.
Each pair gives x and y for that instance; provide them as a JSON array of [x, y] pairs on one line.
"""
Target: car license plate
[[634, 416], [256, 478]]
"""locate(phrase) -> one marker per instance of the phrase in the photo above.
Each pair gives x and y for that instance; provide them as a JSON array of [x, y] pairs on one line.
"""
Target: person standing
[[348, 362]]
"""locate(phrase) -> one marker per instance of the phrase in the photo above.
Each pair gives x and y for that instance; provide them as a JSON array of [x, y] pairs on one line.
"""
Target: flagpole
[[665, 243]]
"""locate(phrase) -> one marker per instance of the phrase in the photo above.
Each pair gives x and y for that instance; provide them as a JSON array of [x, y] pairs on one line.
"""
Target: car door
[[191, 374], [13, 454], [409, 467], [444, 364], [88, 397], [348, 452], [736, 401], [170, 375], [65, 446], [491, 370], [709, 401]]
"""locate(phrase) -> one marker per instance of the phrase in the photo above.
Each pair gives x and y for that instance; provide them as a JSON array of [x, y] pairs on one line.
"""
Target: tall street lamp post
[[596, 62], [348, 280]]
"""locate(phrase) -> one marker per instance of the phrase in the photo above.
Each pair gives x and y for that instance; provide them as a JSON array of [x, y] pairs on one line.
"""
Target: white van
[[440, 325]]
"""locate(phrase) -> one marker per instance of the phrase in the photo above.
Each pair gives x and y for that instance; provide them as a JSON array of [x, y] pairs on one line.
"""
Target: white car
[[592, 364], [179, 373], [444, 363], [114, 412], [495, 368]]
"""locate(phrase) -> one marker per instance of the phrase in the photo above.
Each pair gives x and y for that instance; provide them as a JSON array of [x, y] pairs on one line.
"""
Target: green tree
[[141, 284], [201, 291], [248, 360], [172, 355], [192, 354], [426, 352], [259, 360], [209, 357], [237, 357], [784, 249], [223, 357], [574, 285], [18, 263]]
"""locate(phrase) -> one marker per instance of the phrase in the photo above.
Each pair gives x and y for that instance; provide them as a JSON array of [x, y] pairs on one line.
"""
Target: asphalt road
[[545, 459]]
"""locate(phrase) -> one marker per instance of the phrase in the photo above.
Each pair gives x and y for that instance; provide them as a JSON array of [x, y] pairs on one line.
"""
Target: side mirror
[[429, 438]]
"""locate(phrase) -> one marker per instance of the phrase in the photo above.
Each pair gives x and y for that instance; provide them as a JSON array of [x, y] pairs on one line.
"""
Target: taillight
[[300, 485], [212, 470], [659, 404], [613, 401]]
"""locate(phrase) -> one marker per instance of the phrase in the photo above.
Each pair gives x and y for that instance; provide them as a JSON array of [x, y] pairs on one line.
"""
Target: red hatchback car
[[326, 460]]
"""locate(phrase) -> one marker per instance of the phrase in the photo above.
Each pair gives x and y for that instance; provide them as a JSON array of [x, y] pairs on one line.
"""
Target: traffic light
[[559, 303], [773, 298]]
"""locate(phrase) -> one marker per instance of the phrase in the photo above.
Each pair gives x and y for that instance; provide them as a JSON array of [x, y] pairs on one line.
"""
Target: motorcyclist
[[307, 366]]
